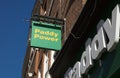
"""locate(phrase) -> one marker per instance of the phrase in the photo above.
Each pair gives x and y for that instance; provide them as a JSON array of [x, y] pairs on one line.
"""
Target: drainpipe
[[51, 4]]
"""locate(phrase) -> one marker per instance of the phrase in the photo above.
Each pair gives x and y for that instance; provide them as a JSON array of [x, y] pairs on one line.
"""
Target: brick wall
[[69, 9]]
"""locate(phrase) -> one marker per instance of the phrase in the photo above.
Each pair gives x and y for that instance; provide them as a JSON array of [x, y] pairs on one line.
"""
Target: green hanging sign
[[46, 35]]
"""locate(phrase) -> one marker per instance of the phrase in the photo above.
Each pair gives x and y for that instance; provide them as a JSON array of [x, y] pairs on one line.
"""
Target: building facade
[[90, 40], [38, 61]]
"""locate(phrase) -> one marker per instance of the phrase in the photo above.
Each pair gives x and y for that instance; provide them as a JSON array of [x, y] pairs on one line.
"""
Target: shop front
[[92, 50]]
